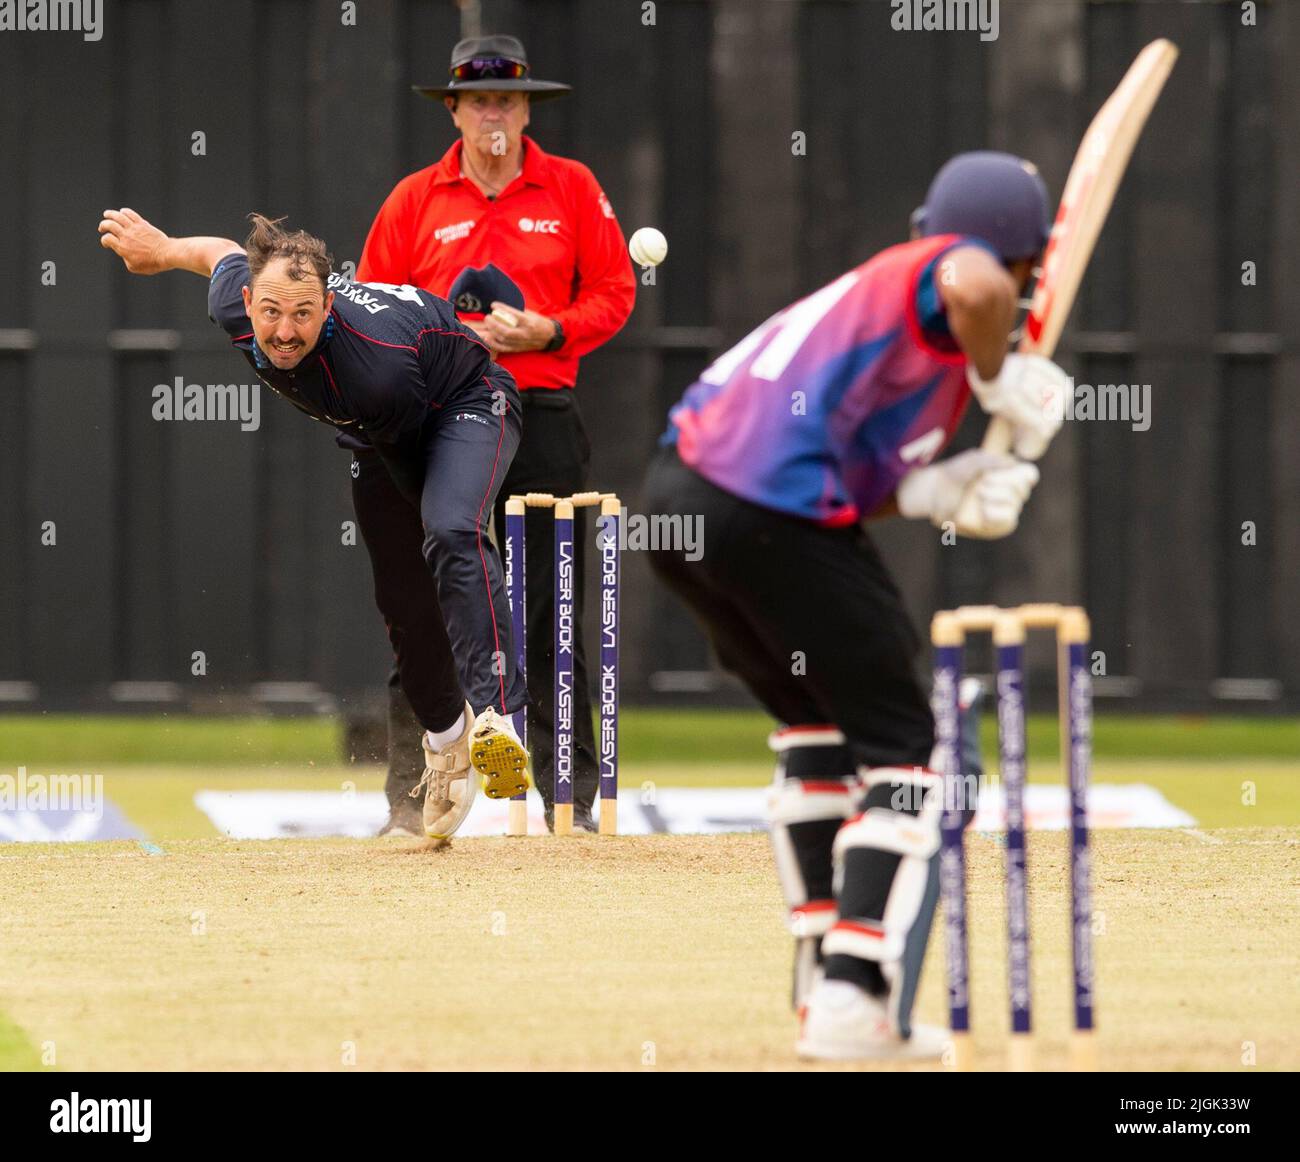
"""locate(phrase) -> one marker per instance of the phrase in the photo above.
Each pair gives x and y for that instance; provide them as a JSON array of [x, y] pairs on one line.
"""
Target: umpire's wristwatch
[[558, 340]]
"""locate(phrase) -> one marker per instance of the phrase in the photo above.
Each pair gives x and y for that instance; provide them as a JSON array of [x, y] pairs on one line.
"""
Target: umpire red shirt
[[552, 230]]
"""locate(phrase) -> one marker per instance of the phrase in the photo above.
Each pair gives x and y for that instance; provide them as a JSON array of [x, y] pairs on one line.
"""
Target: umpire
[[497, 197]]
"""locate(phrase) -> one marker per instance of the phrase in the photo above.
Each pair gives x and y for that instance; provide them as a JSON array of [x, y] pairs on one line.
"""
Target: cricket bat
[[1089, 191]]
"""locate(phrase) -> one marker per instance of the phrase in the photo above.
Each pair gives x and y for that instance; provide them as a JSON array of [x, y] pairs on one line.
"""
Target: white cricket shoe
[[841, 1022], [449, 783]]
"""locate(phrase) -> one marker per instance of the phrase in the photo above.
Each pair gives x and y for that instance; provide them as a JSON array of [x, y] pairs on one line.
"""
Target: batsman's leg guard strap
[[815, 918], [796, 801], [919, 778], [888, 831], [799, 737], [861, 939]]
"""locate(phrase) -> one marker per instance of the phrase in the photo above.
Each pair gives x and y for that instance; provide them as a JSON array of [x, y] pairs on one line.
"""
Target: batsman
[[394, 364], [830, 414]]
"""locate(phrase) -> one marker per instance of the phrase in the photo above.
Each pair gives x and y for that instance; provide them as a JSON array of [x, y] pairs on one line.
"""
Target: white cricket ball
[[648, 247]]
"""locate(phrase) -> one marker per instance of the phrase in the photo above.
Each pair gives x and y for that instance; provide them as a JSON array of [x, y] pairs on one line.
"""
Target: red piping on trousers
[[487, 580]]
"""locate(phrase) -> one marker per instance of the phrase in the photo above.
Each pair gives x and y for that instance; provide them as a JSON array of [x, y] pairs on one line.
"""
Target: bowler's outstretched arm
[[144, 249]]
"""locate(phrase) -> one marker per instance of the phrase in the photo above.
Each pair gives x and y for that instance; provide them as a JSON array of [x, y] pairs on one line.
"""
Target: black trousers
[[407, 598], [451, 481], [554, 456], [424, 522], [808, 617]]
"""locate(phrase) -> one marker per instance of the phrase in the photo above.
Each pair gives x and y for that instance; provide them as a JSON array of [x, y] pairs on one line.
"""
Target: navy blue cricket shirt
[[386, 358]]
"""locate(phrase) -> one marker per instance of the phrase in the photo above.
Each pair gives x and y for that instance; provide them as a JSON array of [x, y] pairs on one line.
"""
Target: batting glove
[[991, 488], [1029, 393]]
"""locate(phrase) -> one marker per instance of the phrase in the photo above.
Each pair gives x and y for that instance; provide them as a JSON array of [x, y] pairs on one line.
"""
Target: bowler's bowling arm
[[144, 249], [198, 254]]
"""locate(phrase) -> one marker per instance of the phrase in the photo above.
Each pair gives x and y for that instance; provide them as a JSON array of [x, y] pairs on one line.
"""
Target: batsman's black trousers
[[807, 616], [554, 456]]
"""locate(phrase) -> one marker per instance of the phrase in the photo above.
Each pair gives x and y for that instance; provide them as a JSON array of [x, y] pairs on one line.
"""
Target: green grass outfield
[[689, 737], [1226, 772]]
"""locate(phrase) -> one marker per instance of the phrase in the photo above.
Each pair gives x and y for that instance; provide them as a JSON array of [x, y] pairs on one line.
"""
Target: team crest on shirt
[[539, 225]]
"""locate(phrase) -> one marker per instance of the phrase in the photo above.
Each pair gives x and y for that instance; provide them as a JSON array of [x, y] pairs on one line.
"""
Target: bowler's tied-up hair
[[268, 240]]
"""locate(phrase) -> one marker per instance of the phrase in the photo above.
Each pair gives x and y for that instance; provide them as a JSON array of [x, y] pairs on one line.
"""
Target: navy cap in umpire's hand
[[477, 288]]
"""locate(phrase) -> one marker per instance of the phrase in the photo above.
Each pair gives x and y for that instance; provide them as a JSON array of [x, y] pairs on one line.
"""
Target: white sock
[[445, 737]]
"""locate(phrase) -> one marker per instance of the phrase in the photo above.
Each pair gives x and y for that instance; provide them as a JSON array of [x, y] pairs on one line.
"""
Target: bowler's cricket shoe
[[499, 756], [449, 783], [841, 1022]]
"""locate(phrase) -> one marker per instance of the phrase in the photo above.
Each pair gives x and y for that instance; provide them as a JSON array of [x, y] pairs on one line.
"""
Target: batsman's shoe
[[499, 756], [841, 1022], [449, 784]]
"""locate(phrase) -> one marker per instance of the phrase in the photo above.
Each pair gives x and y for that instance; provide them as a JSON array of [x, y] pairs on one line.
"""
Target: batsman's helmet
[[996, 197]]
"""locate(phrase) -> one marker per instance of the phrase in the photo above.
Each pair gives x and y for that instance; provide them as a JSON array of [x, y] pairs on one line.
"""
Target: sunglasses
[[497, 68]]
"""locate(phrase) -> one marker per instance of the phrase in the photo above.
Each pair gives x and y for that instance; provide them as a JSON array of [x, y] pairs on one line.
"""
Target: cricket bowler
[[831, 413], [394, 365]]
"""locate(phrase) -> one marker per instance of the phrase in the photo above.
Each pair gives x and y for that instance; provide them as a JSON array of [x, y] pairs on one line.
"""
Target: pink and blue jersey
[[822, 409]]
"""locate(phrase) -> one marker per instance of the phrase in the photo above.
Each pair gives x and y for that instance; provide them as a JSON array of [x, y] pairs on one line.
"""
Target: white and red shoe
[[841, 1022]]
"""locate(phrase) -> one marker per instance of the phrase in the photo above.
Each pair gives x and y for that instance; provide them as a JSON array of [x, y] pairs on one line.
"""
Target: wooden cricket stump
[[1009, 629], [564, 586]]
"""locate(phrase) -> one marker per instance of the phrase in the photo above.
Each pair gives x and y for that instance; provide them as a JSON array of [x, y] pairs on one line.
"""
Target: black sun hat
[[493, 63]]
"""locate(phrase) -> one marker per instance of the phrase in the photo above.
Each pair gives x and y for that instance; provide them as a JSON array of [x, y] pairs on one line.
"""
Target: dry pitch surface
[[634, 953]]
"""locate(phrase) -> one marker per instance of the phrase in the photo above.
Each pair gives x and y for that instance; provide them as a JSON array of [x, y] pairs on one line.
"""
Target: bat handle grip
[[997, 439]]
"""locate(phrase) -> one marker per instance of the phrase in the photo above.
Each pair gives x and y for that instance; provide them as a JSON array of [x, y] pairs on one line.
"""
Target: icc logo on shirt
[[539, 225]]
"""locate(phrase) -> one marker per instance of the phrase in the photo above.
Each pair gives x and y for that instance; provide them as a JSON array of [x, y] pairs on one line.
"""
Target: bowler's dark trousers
[[554, 456], [407, 597], [423, 515]]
